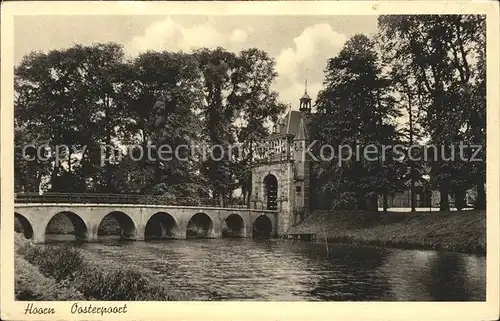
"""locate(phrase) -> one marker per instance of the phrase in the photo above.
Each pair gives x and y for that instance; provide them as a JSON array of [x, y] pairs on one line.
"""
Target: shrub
[[66, 265], [31, 285], [118, 285], [21, 243], [60, 262], [109, 226]]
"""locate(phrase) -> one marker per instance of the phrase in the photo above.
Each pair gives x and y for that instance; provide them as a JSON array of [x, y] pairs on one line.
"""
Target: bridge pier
[[38, 232], [92, 235], [39, 238], [139, 233], [180, 234], [216, 233]]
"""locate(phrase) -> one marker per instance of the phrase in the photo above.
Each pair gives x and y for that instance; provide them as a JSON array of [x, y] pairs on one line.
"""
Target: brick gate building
[[281, 172]]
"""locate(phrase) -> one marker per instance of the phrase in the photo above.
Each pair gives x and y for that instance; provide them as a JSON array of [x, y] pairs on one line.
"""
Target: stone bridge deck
[[137, 222]]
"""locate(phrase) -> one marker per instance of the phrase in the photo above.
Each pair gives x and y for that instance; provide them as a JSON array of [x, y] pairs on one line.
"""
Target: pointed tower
[[305, 101], [301, 160]]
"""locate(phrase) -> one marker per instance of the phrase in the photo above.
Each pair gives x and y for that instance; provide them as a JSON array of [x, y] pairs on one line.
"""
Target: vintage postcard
[[250, 160]]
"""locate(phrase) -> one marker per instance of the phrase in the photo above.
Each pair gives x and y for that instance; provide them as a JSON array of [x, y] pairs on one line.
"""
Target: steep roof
[[301, 132], [305, 97], [290, 123]]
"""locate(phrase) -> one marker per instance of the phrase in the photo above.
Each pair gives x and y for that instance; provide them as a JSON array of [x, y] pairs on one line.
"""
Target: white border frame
[[489, 310]]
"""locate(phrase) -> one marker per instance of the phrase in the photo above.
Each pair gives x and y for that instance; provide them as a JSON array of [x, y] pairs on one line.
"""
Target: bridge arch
[[271, 191], [200, 225], [160, 226], [83, 221], [117, 223], [23, 225], [234, 226], [262, 227], [57, 224]]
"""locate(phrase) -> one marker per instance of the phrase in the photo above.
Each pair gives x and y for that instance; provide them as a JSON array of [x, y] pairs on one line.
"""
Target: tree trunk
[[249, 197], [412, 165], [480, 203], [385, 202], [38, 182], [444, 204], [69, 160], [361, 204], [373, 206], [221, 199], [460, 199], [107, 165], [412, 194]]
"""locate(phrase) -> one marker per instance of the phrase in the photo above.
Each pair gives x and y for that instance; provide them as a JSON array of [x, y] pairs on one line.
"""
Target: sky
[[297, 43]]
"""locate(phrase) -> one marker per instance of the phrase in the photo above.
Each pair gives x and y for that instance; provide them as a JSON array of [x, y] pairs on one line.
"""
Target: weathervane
[[306, 82]]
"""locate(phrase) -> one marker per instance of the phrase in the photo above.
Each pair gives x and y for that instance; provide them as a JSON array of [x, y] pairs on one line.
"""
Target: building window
[[298, 189]]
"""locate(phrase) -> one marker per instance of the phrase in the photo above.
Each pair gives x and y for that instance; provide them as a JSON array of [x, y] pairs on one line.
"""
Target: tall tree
[[219, 68], [88, 97], [103, 82], [66, 97], [443, 53], [259, 105], [175, 123], [354, 110], [410, 99]]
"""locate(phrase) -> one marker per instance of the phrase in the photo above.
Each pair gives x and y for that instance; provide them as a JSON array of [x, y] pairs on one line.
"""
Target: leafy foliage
[[56, 269], [445, 56], [354, 109], [31, 285], [92, 97], [118, 285], [59, 262], [421, 79]]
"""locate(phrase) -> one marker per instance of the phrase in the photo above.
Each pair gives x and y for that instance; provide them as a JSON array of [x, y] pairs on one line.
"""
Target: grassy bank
[[450, 231], [61, 272]]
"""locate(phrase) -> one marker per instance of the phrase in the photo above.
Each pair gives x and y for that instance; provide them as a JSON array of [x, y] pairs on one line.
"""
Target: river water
[[247, 269]]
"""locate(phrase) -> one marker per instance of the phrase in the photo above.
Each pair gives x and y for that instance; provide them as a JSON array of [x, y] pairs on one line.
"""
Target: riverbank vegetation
[[460, 231], [61, 272]]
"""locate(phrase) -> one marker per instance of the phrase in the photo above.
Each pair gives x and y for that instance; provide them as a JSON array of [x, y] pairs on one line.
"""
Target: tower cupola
[[305, 101]]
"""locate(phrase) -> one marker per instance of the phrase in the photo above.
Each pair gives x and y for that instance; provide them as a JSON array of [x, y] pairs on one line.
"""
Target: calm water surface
[[245, 269]]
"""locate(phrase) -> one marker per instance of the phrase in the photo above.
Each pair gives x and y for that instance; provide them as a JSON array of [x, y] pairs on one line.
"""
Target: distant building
[[424, 198]]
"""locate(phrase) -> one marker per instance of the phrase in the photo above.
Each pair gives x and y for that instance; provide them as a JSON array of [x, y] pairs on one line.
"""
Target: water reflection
[[436, 276], [243, 269]]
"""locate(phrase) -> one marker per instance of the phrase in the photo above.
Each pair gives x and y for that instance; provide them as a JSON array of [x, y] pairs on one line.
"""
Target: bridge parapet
[[96, 198]]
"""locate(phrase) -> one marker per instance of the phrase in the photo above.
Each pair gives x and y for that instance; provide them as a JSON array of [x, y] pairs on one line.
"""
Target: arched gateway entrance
[[271, 191]]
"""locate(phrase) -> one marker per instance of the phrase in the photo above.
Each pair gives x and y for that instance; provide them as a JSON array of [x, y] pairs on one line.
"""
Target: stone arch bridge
[[140, 222]]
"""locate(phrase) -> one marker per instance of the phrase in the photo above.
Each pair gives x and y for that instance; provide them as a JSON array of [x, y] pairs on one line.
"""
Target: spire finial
[[306, 83]]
